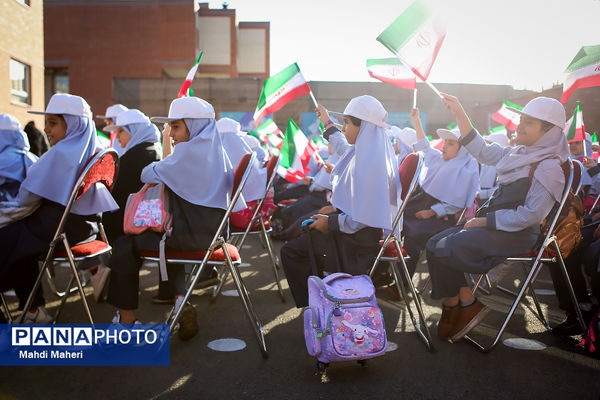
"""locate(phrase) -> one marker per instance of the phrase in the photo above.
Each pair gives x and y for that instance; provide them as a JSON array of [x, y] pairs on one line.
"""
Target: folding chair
[[576, 186], [542, 255], [238, 235], [6, 309], [101, 168], [392, 252], [218, 253]]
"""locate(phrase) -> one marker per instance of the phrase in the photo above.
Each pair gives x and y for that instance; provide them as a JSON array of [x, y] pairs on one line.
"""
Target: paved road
[[453, 371]]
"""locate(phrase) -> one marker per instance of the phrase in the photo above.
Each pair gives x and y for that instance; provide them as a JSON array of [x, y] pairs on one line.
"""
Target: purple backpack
[[343, 321]]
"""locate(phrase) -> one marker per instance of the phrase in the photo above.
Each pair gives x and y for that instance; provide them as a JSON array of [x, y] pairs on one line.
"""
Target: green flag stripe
[[288, 148], [402, 29], [513, 105], [273, 83]]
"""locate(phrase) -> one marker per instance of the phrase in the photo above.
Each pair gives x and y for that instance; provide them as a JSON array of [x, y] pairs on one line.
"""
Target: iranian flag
[[104, 140], [185, 88], [583, 72], [576, 129], [279, 90], [270, 134], [507, 117], [416, 37], [391, 71], [296, 152]]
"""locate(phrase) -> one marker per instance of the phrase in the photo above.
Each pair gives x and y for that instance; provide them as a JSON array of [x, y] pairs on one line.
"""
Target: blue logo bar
[[99, 344]]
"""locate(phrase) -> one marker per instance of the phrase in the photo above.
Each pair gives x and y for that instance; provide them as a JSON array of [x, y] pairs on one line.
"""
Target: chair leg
[[539, 313], [6, 309], [223, 275], [421, 327], [269, 247], [38, 279], [524, 287], [563, 269], [63, 299], [77, 280], [248, 307]]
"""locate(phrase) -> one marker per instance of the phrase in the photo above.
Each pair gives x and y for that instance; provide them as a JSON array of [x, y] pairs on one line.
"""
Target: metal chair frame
[[238, 238], [217, 242], [420, 325], [60, 237], [531, 275]]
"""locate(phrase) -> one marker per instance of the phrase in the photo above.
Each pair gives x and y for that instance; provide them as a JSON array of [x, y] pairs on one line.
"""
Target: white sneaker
[[99, 280], [40, 316], [117, 319]]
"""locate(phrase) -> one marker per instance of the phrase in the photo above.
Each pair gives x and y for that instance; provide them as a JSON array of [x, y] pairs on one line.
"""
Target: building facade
[[88, 44], [22, 59]]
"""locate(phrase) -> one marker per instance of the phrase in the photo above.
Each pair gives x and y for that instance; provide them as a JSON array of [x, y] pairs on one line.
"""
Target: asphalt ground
[[452, 371]]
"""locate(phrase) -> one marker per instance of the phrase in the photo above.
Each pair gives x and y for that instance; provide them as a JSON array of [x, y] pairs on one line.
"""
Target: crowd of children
[[351, 197]]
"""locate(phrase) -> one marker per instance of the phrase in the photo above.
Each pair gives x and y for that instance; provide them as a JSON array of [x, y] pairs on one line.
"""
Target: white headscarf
[[454, 181], [141, 133], [552, 148], [15, 157], [54, 174], [236, 148], [365, 181], [199, 170]]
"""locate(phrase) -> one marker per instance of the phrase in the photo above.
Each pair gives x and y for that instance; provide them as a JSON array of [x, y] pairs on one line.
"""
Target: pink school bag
[[343, 321], [147, 209]]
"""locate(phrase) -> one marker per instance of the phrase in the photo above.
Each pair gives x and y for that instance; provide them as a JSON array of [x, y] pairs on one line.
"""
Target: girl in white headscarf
[[254, 190], [140, 140], [49, 183], [590, 178], [448, 183], [199, 178], [365, 197], [15, 157], [509, 224]]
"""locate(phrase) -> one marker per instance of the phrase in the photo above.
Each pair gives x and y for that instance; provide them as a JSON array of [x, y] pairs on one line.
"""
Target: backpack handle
[[330, 278]]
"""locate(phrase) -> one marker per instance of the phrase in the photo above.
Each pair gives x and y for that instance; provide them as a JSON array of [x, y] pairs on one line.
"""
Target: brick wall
[[101, 40], [21, 33]]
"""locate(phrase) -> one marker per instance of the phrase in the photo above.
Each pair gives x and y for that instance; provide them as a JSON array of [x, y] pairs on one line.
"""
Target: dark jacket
[[128, 181]]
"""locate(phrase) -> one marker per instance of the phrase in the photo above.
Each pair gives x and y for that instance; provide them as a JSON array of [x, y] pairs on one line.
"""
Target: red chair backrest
[[103, 170], [271, 166], [407, 171], [239, 171]]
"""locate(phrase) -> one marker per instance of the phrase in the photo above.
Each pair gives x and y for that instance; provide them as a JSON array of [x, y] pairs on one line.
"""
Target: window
[[20, 82], [56, 80]]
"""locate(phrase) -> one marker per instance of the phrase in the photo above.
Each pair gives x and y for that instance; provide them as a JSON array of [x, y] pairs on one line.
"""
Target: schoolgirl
[[365, 197], [254, 190], [510, 222], [199, 178], [49, 182], [15, 157], [448, 183], [140, 140], [110, 118]]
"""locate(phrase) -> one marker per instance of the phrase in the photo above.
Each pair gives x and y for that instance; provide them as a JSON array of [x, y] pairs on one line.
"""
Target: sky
[[523, 43]]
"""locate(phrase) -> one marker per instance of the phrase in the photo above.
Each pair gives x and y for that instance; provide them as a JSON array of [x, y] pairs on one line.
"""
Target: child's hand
[[322, 114], [452, 103], [327, 210], [425, 214], [328, 167], [321, 224], [415, 114], [476, 223], [588, 162]]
